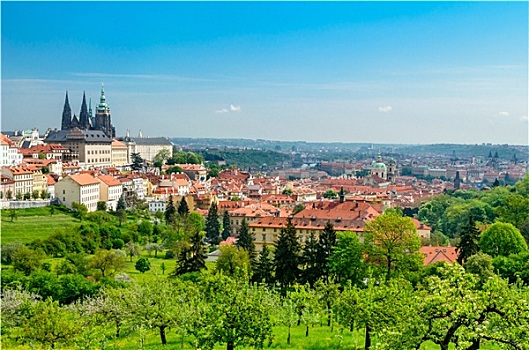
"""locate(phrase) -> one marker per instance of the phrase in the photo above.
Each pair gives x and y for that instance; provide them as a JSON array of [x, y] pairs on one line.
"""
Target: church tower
[[66, 115], [84, 118], [391, 171], [102, 117]]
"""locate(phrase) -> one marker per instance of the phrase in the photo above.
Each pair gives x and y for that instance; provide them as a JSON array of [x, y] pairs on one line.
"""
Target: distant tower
[[391, 171], [102, 118], [90, 114], [139, 134], [84, 117], [457, 181], [341, 194], [66, 115]]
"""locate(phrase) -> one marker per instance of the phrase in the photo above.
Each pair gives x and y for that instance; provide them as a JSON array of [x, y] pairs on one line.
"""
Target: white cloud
[[235, 108], [504, 114], [223, 110], [524, 118], [385, 109]]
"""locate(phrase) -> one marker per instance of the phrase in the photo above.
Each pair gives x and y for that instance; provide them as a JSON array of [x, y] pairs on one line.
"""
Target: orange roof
[[109, 180], [84, 179], [437, 254]]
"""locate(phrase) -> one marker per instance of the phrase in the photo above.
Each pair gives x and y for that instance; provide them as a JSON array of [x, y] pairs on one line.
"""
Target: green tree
[[469, 241], [286, 257], [121, 205], [9, 195], [18, 196], [162, 156], [213, 225], [480, 265], [310, 272], [287, 191], [102, 205], [13, 214], [513, 209], [330, 194], [246, 241], [226, 225], [298, 208], [325, 249], [132, 250], [26, 260], [233, 262], [79, 210], [108, 262], [264, 267], [502, 239], [121, 215], [192, 258], [391, 240], [183, 209], [51, 325], [170, 211], [346, 261], [27, 196], [35, 194], [143, 265], [137, 161]]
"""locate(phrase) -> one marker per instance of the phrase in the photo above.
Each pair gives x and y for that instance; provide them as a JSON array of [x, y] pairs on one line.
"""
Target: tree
[[27, 196], [325, 249], [132, 250], [233, 261], [309, 261], [108, 262], [170, 211], [26, 260], [50, 324], [143, 265], [13, 214], [480, 265], [392, 240], [263, 270], [346, 261], [469, 241], [226, 225], [239, 316], [502, 239], [18, 196], [121, 215], [286, 257], [79, 210], [246, 241], [9, 195], [213, 225], [35, 194], [102, 205], [162, 156], [513, 209], [298, 208], [330, 194], [121, 205], [183, 209], [192, 258], [137, 161]]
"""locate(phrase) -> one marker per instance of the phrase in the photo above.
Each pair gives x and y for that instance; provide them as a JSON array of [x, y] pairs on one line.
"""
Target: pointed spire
[[84, 122], [66, 114]]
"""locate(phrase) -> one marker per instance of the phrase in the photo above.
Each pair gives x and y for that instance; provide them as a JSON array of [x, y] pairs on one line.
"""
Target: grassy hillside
[[33, 223]]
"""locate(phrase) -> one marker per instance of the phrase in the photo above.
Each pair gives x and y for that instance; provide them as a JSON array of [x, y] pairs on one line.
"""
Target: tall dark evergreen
[[121, 203], [213, 225], [226, 225], [325, 248], [469, 241], [311, 271], [246, 241], [263, 268], [286, 258], [170, 211], [192, 258], [183, 209]]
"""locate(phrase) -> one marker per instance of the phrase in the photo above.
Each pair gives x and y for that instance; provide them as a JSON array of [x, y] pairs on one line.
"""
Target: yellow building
[[119, 154], [80, 188]]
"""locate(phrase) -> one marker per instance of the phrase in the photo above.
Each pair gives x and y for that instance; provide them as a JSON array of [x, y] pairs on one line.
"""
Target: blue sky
[[381, 72]]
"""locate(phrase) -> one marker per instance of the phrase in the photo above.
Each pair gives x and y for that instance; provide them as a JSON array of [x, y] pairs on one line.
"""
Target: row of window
[[101, 151], [99, 160]]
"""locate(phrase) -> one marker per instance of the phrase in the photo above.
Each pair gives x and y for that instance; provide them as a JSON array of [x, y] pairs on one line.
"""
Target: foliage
[[325, 249], [102, 205], [226, 225], [310, 271], [79, 210], [26, 260], [298, 208], [246, 241], [502, 239], [108, 262], [233, 262], [213, 225], [346, 262], [263, 270], [183, 209], [143, 265], [330, 194], [391, 240], [170, 211], [286, 256], [192, 258], [469, 241]]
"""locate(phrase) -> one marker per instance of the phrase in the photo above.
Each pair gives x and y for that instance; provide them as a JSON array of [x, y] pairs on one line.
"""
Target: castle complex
[[86, 120]]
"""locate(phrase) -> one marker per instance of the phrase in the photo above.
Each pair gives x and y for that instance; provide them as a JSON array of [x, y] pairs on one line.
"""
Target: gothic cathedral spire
[[84, 118], [66, 114]]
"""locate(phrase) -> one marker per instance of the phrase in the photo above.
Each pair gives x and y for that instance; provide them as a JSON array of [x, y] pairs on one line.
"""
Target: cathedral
[[86, 120]]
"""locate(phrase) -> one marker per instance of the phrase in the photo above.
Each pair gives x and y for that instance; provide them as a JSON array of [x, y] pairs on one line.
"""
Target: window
[[264, 238]]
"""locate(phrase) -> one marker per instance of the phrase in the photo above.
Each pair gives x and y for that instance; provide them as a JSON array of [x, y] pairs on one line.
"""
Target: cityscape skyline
[[381, 72]]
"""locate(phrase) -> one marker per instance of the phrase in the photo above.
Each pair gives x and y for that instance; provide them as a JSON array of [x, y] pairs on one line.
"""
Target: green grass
[[33, 223]]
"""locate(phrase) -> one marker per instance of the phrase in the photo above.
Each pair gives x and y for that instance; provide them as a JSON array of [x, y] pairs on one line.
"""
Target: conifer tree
[[170, 211], [193, 257], [311, 272], [183, 209], [246, 241], [264, 268], [226, 225], [469, 241], [286, 258], [325, 248], [121, 204], [213, 225]]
